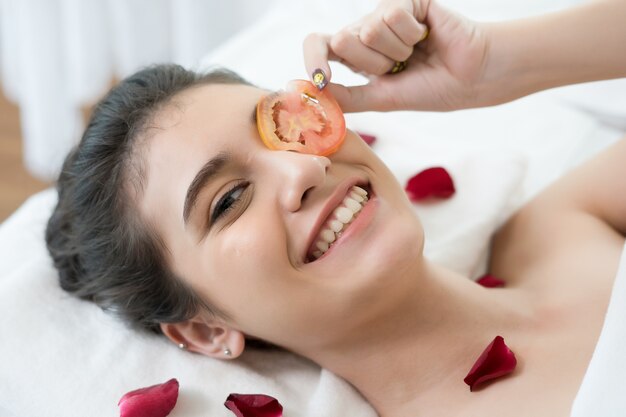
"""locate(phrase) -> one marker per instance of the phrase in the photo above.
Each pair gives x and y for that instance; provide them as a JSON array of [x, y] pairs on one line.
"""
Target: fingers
[[360, 57], [349, 98], [378, 36], [374, 45], [359, 98], [316, 55], [405, 26]]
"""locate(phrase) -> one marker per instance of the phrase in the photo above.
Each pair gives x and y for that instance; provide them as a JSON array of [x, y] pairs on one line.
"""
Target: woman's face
[[239, 221]]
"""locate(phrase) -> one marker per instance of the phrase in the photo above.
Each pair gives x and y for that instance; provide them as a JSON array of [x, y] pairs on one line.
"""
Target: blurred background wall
[[57, 57], [15, 182]]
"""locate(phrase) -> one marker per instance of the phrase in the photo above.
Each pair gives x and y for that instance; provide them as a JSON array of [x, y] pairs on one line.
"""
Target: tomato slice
[[302, 119]]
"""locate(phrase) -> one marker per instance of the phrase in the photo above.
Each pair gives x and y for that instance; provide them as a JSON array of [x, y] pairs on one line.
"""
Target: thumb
[[360, 98]]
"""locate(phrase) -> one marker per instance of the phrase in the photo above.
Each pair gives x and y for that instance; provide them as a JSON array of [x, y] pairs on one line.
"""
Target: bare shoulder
[[582, 213], [563, 249]]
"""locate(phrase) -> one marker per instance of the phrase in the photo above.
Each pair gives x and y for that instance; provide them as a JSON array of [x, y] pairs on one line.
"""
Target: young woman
[[173, 214]]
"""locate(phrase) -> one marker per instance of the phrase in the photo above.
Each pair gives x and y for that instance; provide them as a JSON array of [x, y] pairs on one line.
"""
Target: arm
[[585, 43], [583, 206], [467, 64], [598, 187], [442, 69]]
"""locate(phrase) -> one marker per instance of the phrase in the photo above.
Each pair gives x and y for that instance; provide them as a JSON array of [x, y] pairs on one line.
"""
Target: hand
[[444, 70]]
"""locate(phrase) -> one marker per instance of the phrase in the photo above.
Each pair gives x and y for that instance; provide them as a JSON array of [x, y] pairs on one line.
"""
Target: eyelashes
[[229, 201]]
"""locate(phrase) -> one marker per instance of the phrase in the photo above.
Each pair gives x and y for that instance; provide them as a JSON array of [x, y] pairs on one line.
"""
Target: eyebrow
[[209, 171], [213, 168]]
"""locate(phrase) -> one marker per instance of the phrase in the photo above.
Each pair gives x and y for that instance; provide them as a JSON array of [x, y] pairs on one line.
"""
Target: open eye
[[229, 201]]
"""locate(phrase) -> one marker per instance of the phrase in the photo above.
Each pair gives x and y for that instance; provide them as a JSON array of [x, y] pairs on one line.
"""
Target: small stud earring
[[227, 351], [182, 345]]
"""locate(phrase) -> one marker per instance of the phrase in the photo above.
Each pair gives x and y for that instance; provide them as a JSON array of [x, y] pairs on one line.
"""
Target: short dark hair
[[102, 249]]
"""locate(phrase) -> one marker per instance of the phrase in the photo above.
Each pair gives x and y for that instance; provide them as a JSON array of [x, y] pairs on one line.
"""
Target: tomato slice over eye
[[302, 119]]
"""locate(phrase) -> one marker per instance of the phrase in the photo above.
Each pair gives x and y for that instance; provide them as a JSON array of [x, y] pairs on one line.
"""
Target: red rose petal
[[369, 139], [495, 361], [254, 405], [431, 182], [154, 401], [490, 281]]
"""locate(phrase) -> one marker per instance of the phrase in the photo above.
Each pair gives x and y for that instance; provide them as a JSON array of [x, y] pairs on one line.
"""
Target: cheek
[[262, 292], [353, 149], [246, 258], [249, 264]]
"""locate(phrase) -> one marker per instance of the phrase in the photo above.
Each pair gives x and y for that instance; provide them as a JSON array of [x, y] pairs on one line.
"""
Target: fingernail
[[319, 78]]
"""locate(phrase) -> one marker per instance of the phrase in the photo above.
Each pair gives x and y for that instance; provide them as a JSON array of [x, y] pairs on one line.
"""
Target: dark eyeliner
[[226, 203]]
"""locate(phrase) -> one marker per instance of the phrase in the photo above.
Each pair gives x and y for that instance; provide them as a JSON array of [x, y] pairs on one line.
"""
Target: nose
[[295, 174]]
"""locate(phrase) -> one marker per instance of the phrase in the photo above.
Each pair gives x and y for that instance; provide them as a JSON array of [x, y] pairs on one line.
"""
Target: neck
[[428, 342]]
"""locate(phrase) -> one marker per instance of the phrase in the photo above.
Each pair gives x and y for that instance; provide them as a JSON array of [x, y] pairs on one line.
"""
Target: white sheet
[[64, 357]]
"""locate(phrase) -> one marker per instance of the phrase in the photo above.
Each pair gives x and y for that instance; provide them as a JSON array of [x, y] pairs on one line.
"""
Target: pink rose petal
[[254, 405], [369, 139], [490, 281], [431, 182], [495, 361], [154, 401]]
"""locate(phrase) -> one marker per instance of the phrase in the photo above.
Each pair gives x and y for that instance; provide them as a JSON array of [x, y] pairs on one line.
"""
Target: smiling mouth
[[338, 221]]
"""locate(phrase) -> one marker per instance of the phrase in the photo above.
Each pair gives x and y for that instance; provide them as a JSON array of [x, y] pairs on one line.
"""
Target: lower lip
[[363, 219]]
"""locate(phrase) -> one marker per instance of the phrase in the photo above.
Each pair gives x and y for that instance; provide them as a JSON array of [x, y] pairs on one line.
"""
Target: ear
[[206, 336]]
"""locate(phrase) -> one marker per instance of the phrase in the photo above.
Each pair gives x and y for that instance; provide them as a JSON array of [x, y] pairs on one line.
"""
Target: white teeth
[[344, 214], [359, 190], [356, 197], [353, 205], [336, 225], [328, 235], [321, 245]]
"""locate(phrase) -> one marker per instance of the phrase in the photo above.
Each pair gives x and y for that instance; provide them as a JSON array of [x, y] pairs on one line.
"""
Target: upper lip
[[333, 201]]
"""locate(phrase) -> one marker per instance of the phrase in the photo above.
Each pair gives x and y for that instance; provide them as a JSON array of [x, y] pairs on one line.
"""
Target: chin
[[400, 247], [395, 251], [384, 275]]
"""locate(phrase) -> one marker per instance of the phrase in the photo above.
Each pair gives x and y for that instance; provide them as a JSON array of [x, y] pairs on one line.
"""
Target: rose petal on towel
[[495, 361], [490, 281], [153, 401], [369, 139], [431, 182], [254, 405]]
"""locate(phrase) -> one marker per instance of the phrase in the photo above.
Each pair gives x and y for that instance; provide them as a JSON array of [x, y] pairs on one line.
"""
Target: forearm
[[585, 43]]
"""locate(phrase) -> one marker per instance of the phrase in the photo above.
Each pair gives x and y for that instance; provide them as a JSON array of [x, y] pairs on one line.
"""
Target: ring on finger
[[398, 66]]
